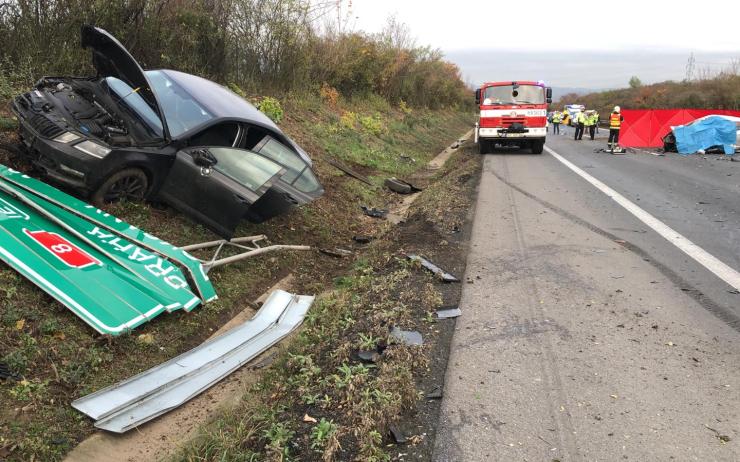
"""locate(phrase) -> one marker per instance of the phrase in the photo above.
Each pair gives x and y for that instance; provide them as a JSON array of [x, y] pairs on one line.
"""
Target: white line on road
[[707, 260]]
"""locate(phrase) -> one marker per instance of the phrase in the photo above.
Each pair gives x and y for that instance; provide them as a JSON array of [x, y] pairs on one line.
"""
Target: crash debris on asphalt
[[437, 271]]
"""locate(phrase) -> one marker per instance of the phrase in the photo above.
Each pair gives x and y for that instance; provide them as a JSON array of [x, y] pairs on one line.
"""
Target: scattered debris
[[145, 396], [336, 252], [309, 419], [723, 438], [349, 171], [6, 374], [734, 291], [407, 158], [400, 186], [435, 393], [397, 435], [362, 239], [265, 362], [408, 337], [455, 145], [373, 212], [368, 356], [448, 313], [439, 272]]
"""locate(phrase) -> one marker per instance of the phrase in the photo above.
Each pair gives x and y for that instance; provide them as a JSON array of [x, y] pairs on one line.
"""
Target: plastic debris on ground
[[439, 272], [449, 313], [400, 186], [373, 212], [407, 337]]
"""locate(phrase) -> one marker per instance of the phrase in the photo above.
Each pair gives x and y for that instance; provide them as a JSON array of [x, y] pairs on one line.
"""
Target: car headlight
[[92, 148], [67, 137]]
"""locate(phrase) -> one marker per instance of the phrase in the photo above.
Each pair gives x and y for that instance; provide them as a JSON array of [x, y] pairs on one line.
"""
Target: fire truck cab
[[512, 114]]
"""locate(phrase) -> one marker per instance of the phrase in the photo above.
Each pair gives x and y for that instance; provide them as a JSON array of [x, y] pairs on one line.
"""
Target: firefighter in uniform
[[580, 122], [615, 122], [557, 117]]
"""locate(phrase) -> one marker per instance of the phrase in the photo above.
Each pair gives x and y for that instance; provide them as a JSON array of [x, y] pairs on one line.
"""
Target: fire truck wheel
[[537, 146], [483, 146]]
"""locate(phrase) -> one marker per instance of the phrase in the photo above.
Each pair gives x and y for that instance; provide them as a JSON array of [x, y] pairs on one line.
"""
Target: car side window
[[283, 155], [224, 135], [248, 168]]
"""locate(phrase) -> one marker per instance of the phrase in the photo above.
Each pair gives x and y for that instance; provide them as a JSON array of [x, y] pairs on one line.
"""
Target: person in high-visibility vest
[[580, 123], [615, 123], [591, 123], [557, 117], [598, 120]]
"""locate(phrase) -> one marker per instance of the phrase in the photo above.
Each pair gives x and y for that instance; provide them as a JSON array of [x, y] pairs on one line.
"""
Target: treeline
[[262, 46], [719, 92]]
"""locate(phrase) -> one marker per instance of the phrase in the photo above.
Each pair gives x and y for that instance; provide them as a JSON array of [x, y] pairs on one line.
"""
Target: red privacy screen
[[645, 128]]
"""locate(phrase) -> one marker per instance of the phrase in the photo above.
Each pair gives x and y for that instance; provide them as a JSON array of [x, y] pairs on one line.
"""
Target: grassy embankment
[[60, 358]]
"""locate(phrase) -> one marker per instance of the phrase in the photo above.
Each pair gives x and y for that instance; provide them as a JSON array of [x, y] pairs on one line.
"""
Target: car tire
[[485, 146], [130, 184], [537, 147]]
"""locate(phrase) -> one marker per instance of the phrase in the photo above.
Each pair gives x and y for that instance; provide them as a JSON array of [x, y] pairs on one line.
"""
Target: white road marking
[[707, 260]]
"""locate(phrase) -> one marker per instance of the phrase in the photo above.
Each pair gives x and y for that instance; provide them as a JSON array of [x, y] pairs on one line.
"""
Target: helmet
[[616, 109]]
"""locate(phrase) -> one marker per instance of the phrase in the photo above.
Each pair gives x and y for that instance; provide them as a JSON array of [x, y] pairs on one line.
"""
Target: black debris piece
[[265, 362], [362, 239], [400, 186], [439, 272], [434, 393], [448, 313], [408, 337], [397, 435], [337, 253], [407, 158], [373, 212], [349, 171], [6, 374]]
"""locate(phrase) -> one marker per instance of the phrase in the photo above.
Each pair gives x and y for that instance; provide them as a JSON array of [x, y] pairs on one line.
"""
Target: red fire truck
[[512, 114]]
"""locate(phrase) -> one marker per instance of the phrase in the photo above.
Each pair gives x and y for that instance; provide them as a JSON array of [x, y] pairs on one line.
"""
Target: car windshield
[[181, 111], [511, 94], [136, 103], [248, 168]]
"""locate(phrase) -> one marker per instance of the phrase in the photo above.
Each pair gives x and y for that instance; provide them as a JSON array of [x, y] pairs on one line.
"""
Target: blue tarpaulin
[[705, 133]]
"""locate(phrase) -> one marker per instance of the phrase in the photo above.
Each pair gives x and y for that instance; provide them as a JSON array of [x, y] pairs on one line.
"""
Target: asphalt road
[[585, 334]]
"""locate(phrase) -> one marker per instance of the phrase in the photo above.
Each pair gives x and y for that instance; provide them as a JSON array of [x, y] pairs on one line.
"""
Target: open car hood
[[111, 59]]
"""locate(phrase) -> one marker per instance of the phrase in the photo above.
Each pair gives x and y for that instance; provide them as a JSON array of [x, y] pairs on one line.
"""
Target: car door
[[218, 185]]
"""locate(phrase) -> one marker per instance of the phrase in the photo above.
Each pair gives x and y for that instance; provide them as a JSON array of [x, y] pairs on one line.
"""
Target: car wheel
[[537, 147], [484, 146], [130, 184]]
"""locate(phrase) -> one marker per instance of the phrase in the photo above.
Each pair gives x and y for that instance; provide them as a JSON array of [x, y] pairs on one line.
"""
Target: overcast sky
[[656, 37]]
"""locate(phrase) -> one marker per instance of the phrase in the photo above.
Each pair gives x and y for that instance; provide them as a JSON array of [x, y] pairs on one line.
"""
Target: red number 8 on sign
[[61, 248]]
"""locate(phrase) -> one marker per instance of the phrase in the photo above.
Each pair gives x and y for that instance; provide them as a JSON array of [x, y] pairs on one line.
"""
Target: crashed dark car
[[162, 135]]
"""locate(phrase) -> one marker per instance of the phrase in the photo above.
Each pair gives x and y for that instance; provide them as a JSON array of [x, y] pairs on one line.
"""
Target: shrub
[[372, 124], [272, 108], [329, 94], [348, 120]]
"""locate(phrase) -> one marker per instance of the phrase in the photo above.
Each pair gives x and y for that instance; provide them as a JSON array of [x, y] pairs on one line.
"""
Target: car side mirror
[[204, 159], [548, 93], [477, 96]]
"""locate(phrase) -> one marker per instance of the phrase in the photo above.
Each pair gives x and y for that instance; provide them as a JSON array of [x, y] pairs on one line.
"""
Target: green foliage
[[719, 92], [272, 108], [372, 124], [635, 82], [256, 45], [321, 433]]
